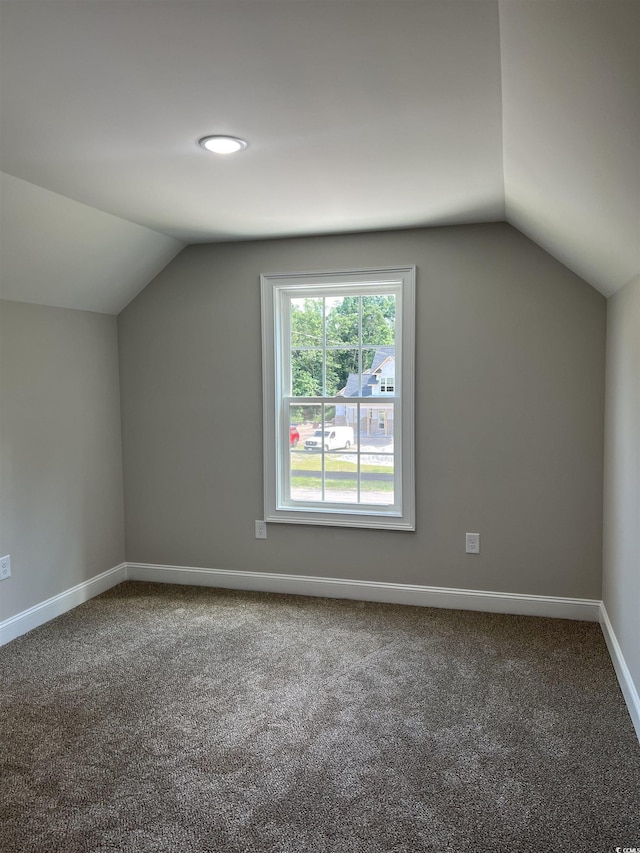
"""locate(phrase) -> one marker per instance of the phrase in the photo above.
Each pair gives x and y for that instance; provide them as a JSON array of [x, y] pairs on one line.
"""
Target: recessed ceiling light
[[222, 144]]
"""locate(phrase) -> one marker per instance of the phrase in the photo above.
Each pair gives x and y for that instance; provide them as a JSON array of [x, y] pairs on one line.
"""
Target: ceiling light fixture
[[222, 144]]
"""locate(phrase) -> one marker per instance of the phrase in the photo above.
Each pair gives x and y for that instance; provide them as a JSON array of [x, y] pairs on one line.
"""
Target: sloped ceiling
[[571, 115], [60, 252], [360, 114]]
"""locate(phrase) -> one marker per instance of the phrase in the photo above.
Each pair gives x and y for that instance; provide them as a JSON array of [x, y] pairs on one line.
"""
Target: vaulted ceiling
[[360, 115]]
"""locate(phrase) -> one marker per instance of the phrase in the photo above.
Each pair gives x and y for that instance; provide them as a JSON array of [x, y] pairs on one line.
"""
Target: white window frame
[[277, 290]]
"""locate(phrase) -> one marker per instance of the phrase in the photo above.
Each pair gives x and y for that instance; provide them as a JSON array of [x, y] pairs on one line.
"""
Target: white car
[[330, 438]]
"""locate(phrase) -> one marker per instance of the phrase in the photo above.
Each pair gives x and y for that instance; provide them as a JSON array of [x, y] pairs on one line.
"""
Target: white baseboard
[[59, 604], [627, 686], [556, 607], [391, 593]]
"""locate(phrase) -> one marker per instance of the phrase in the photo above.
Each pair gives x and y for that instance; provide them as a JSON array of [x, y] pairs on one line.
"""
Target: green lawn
[[307, 461], [343, 485]]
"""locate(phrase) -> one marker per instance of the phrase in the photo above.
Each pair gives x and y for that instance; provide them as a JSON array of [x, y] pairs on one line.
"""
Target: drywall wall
[[509, 415], [621, 570], [60, 453]]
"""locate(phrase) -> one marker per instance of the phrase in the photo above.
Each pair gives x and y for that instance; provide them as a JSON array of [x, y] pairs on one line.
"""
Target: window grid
[[325, 400], [278, 298]]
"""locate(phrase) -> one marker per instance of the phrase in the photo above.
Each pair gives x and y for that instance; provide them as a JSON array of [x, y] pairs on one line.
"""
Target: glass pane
[[346, 415], [341, 462], [338, 439], [368, 357], [326, 452], [383, 365], [377, 465], [306, 476], [341, 477], [377, 497], [311, 434], [368, 379], [305, 468], [325, 437], [378, 374], [329, 414], [379, 320], [377, 427], [386, 384], [342, 315], [306, 373], [306, 322], [376, 478], [301, 422], [342, 371]]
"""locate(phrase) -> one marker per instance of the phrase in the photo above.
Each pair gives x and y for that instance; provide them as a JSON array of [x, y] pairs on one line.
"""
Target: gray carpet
[[181, 719]]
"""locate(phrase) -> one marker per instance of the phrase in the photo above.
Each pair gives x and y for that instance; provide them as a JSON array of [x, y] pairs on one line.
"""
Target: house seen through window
[[338, 385]]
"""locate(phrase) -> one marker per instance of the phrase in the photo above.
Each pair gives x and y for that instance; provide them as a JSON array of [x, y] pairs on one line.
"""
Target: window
[[332, 344]]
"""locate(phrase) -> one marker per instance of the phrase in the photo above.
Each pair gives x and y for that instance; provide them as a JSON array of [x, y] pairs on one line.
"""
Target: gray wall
[[510, 415], [61, 502], [621, 581]]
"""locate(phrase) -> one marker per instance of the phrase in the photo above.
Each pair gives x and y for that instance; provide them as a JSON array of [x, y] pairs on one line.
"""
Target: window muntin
[[326, 340]]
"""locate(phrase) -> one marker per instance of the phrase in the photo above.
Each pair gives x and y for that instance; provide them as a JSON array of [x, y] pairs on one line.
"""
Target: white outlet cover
[[472, 543], [5, 567]]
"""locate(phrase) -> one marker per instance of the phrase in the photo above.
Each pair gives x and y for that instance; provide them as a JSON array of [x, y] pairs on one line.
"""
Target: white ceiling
[[360, 114], [56, 251], [571, 115]]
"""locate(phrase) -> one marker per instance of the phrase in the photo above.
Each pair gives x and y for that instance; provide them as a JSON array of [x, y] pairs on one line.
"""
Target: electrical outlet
[[473, 543], [261, 529], [5, 567]]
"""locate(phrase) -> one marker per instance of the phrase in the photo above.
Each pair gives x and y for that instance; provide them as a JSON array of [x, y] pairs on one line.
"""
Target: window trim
[[274, 286]]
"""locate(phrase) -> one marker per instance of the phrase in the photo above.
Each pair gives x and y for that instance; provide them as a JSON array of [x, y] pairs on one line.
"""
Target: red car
[[294, 436]]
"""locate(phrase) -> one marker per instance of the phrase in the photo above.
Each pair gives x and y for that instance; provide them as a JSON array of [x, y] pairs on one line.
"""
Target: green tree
[[306, 322], [341, 329], [387, 305], [306, 331], [378, 329]]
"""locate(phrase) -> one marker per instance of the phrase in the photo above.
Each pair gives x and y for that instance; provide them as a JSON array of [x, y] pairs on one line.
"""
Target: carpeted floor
[[181, 719]]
